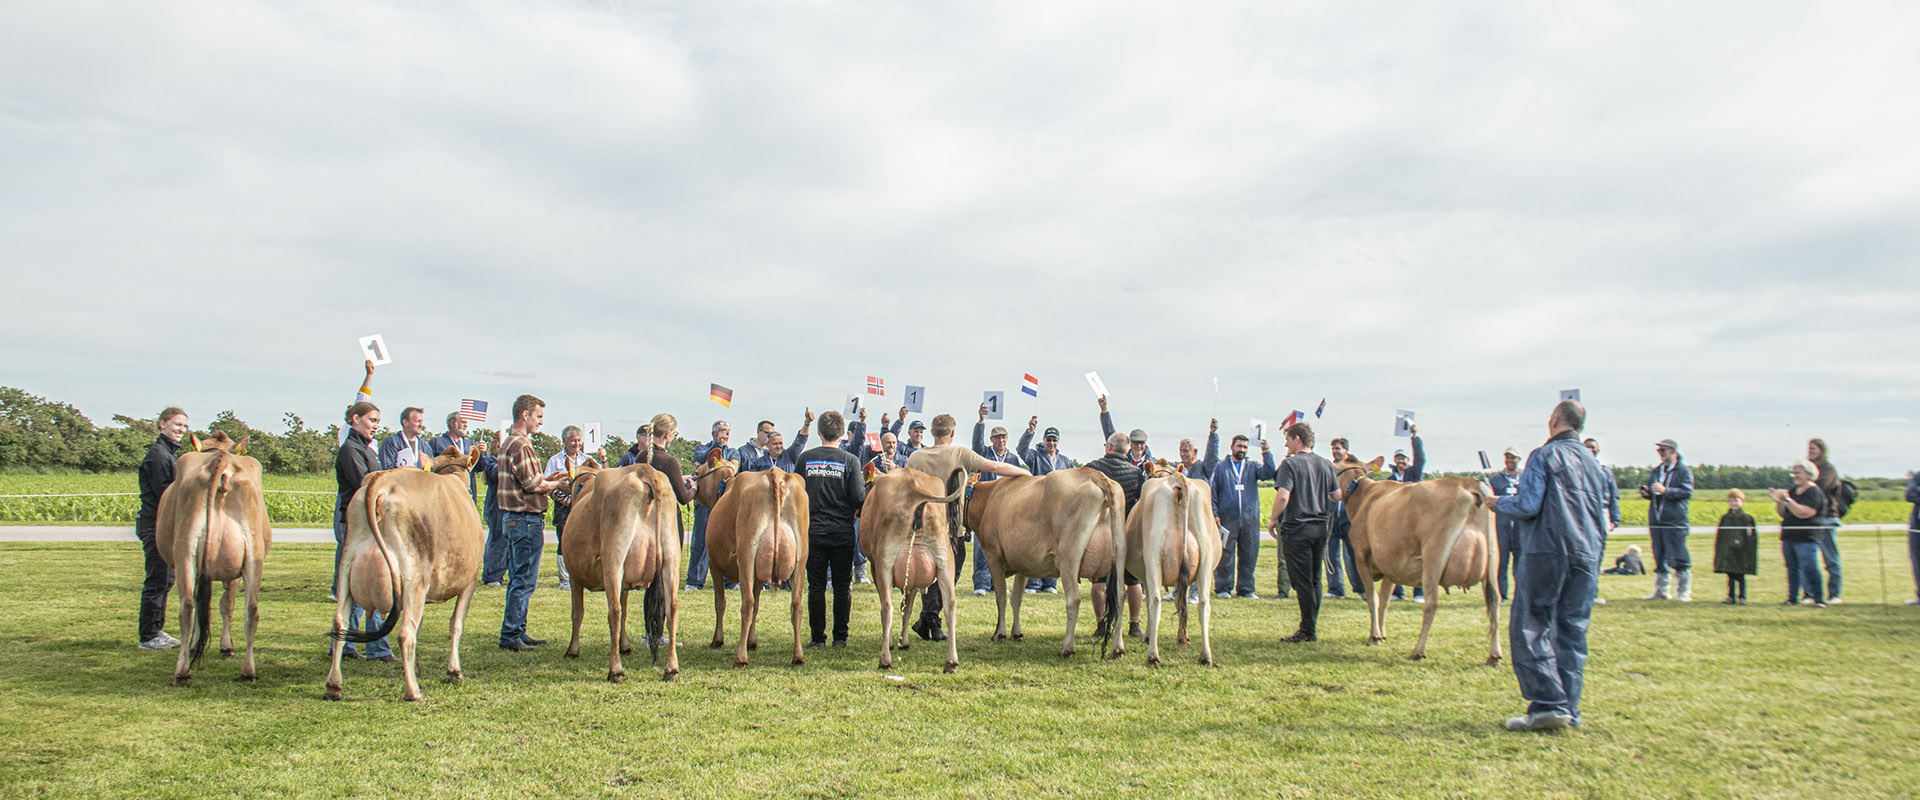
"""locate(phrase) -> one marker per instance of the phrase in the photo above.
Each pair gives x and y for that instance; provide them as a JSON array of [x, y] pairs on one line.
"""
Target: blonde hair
[[664, 426], [1808, 467], [1733, 493]]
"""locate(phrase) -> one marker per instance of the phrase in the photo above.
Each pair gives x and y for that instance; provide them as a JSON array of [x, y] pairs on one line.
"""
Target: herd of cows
[[414, 538]]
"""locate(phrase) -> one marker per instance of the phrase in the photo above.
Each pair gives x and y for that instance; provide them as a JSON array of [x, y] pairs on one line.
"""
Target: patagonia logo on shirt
[[826, 469]]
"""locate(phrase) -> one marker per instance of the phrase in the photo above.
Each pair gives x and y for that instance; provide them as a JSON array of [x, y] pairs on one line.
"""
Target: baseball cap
[[1511, 451], [1399, 452], [1669, 444], [1052, 433], [917, 425], [1137, 436]]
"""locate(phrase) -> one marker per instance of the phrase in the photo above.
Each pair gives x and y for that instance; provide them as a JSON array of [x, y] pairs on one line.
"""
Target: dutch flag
[[1031, 385]]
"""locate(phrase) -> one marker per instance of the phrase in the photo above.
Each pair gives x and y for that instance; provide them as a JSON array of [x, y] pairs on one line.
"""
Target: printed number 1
[[993, 404], [374, 347]]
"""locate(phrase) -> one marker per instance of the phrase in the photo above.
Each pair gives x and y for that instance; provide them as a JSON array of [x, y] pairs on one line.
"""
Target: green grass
[[1681, 700]]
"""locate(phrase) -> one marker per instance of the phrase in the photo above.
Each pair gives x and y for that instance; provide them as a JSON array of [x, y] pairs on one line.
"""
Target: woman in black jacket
[[351, 467], [1801, 508]]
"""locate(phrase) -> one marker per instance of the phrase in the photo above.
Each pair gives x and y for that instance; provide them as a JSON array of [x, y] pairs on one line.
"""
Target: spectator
[[1830, 485], [1302, 506], [1913, 534], [493, 563], [942, 460], [1410, 471], [835, 494], [1191, 464], [1667, 489], [662, 431], [156, 474], [523, 511], [1339, 541], [456, 438], [758, 455], [1042, 460], [915, 433], [1506, 482], [982, 577], [1561, 516], [697, 551], [1736, 548], [563, 463], [1137, 450], [1628, 563], [405, 448], [1236, 507], [1613, 512], [351, 466], [788, 458], [1800, 511], [640, 451], [1116, 465]]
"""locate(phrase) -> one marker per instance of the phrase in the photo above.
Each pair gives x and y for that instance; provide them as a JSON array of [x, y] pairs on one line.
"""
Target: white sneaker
[[1032, 591], [1050, 590], [1166, 597], [159, 642], [981, 592], [1914, 601], [1539, 721], [1222, 595], [1832, 601], [1599, 601], [333, 598], [169, 638]]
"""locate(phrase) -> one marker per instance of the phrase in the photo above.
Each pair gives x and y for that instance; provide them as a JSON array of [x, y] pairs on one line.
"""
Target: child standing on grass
[[1736, 548]]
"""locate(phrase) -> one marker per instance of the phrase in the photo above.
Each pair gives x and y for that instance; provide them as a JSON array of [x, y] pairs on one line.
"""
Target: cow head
[[219, 440], [1351, 469], [452, 462], [1159, 468], [710, 474]]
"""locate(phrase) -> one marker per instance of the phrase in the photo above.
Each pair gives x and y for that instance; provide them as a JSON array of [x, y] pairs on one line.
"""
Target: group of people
[[1553, 517]]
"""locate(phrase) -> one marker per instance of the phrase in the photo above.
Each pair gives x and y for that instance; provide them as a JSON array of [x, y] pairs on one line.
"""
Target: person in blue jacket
[[1340, 536], [1191, 464], [456, 438], [1667, 488], [1913, 534], [1138, 453], [1561, 511], [1236, 507], [998, 451], [1613, 511], [1503, 483], [758, 455], [697, 553], [405, 448]]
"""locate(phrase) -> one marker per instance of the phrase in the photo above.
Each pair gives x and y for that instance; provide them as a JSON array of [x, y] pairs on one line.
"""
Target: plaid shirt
[[520, 470]]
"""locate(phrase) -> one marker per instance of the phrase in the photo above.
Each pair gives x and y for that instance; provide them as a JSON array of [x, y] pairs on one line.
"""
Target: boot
[[928, 627], [1660, 587], [566, 582], [1684, 592]]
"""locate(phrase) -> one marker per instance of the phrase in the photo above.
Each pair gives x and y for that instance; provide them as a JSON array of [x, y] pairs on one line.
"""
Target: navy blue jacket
[[1038, 462], [1203, 469], [391, 447], [1913, 496], [630, 458], [1503, 485], [1669, 510], [1562, 502], [1106, 432], [980, 446], [1242, 505], [1417, 468]]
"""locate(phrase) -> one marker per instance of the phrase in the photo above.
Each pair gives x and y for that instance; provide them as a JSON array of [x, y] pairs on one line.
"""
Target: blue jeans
[[697, 554], [1913, 557], [1830, 554], [525, 533], [1239, 554], [1040, 584], [1552, 605], [1506, 531], [493, 564], [1339, 556], [859, 558], [1803, 570], [1670, 550], [982, 577], [377, 647]]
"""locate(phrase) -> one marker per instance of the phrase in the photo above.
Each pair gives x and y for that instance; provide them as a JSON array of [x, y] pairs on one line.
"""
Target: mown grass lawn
[[1682, 700]]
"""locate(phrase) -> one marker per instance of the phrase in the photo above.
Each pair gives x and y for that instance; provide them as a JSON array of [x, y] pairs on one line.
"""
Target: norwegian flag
[[473, 410], [876, 385], [1031, 385]]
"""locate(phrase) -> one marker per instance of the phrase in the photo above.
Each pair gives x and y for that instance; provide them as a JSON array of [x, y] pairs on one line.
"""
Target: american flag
[[473, 410], [876, 386]]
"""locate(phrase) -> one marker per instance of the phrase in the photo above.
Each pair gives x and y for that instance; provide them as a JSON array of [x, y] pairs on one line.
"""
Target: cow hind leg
[[1152, 581], [184, 580], [1206, 615], [250, 578], [719, 615], [456, 627], [953, 633], [226, 619], [626, 649], [339, 641], [409, 633], [1070, 576], [1017, 592], [795, 600], [882, 578], [1000, 580], [579, 613], [1492, 597], [906, 615], [1432, 604]]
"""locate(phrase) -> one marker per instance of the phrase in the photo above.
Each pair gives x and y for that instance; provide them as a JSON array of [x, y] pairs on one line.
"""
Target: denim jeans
[[1803, 570], [1830, 554], [859, 558], [1547, 632], [377, 647], [697, 553], [982, 577], [1506, 535], [493, 564], [1239, 554], [1339, 557], [525, 534], [1670, 550], [1913, 556]]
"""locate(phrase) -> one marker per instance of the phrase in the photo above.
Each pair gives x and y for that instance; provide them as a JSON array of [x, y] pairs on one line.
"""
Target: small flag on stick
[[1321, 410], [1484, 463], [721, 394], [1031, 386], [1294, 417], [473, 410], [876, 386]]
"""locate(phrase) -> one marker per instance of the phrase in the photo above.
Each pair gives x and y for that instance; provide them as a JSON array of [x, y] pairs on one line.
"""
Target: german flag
[[721, 394]]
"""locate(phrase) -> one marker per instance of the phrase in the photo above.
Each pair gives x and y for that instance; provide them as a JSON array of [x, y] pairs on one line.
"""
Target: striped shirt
[[519, 474]]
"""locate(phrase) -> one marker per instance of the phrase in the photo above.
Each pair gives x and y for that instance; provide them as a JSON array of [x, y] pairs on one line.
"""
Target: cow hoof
[[716, 644], [455, 676], [1371, 640], [670, 676], [626, 650], [1416, 656], [332, 693], [182, 680], [246, 677], [616, 677], [886, 665], [753, 645], [411, 698], [575, 654], [999, 637], [1153, 661], [1067, 653], [1493, 661], [952, 667], [739, 664], [1205, 661], [1019, 636], [798, 660], [226, 652]]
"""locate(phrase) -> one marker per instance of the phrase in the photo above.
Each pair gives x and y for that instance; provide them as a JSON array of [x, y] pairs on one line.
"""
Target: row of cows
[[414, 539]]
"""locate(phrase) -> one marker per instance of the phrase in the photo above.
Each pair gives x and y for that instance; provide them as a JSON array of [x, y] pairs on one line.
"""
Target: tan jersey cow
[[413, 537], [905, 536], [624, 534], [1431, 534], [212, 527], [708, 476], [1066, 524], [1171, 535], [757, 534]]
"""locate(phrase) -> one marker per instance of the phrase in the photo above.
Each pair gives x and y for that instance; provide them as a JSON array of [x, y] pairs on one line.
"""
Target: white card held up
[[916, 399], [1258, 428], [375, 349], [1099, 388], [851, 408], [996, 403], [1402, 423], [1570, 394], [590, 435]]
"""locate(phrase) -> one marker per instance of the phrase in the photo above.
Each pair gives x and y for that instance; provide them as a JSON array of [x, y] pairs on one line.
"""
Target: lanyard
[[1239, 476]]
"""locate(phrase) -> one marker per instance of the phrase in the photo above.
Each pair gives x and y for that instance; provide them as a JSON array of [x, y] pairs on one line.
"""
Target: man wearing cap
[[572, 454], [903, 449], [982, 577], [1236, 507], [697, 552], [1138, 452], [1040, 460], [1191, 465], [758, 455], [1406, 471], [1613, 511], [1503, 483], [943, 460], [1667, 488]]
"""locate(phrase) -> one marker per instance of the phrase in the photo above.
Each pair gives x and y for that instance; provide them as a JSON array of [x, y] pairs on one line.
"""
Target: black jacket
[[156, 474], [355, 461], [1123, 472]]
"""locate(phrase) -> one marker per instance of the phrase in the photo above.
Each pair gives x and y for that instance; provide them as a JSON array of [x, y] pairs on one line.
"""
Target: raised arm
[[1004, 470], [1419, 460]]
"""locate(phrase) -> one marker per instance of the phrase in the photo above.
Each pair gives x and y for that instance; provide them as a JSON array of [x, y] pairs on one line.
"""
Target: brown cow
[[624, 532], [212, 526], [1431, 534], [1067, 524], [757, 534], [413, 537], [905, 536], [1171, 533], [708, 476]]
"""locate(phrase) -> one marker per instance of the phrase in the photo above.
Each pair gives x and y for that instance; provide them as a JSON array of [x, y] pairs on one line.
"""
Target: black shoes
[[839, 643], [532, 641], [929, 629], [518, 646], [389, 658], [1300, 636], [1134, 631]]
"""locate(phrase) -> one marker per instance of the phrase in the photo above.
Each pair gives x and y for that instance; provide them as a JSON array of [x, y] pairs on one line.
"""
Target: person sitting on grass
[[1628, 564], [1736, 548]]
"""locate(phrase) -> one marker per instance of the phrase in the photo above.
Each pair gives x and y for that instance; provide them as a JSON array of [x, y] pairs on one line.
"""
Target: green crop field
[[1699, 700]]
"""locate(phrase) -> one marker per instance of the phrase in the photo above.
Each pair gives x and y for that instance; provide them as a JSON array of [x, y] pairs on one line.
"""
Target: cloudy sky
[[1705, 216]]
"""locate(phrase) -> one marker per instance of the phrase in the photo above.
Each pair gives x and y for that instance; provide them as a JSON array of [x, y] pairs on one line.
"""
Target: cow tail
[[1117, 579], [202, 586], [1179, 509], [386, 556], [654, 600]]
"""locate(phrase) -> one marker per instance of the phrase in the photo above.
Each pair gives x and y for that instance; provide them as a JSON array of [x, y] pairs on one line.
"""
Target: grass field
[[1681, 701]]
